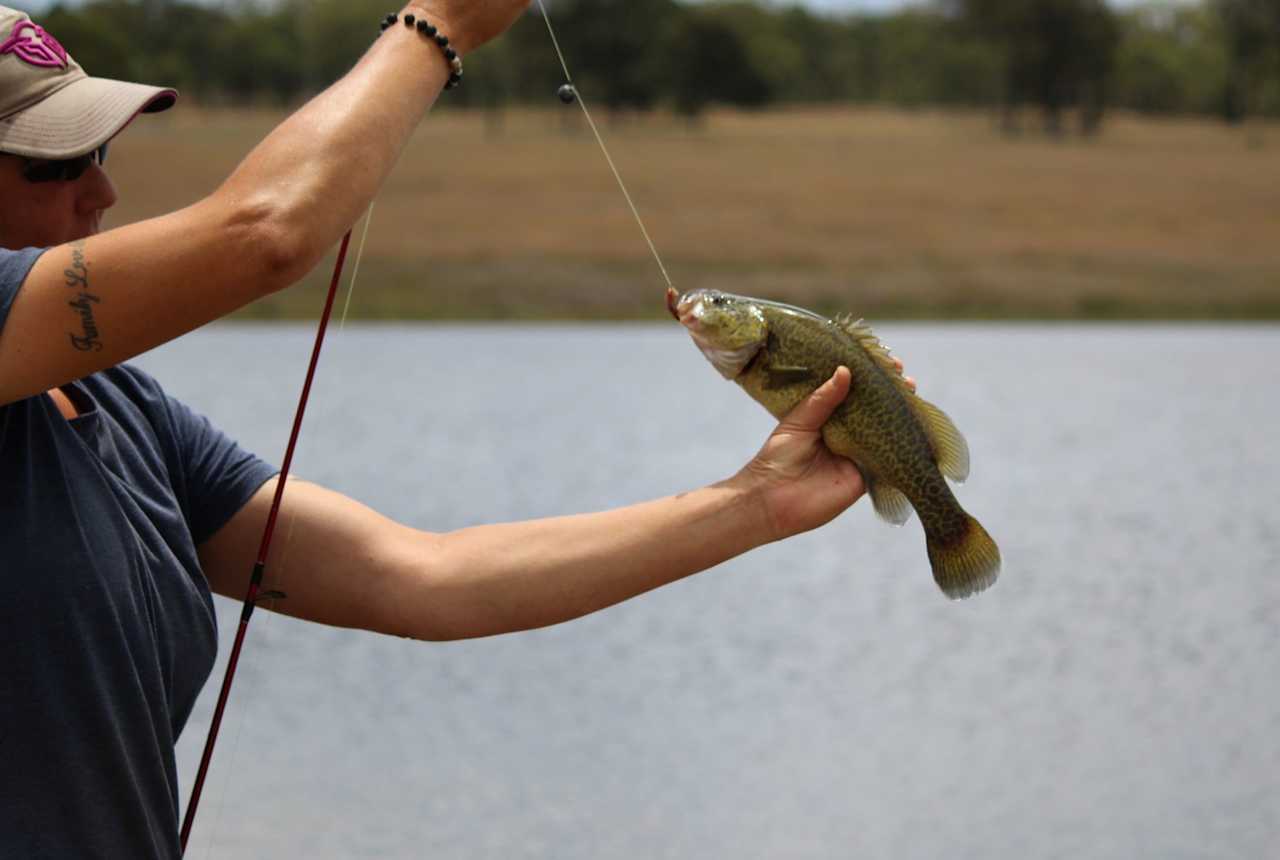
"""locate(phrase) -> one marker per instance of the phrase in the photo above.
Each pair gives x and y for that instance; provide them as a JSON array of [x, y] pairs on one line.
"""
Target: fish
[[905, 447]]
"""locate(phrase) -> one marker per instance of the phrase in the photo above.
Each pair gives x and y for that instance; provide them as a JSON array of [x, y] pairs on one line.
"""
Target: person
[[121, 509]]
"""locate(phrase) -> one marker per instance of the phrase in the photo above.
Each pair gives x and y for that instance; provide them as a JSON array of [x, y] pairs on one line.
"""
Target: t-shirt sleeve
[[14, 268], [219, 476]]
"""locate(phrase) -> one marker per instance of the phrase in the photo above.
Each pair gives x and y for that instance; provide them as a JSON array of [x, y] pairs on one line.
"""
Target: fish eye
[[718, 300]]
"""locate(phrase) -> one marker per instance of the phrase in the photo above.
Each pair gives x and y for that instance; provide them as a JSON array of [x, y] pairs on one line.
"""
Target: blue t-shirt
[[107, 627]]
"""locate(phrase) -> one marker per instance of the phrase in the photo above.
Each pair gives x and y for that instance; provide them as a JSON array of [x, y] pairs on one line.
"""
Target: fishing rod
[[568, 93], [254, 594]]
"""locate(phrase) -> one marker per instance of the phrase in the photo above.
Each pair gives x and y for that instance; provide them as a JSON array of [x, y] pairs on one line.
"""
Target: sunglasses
[[62, 170]]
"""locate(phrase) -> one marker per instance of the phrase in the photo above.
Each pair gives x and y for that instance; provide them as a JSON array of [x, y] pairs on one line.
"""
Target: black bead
[[408, 20], [423, 27], [431, 30], [391, 19], [442, 40], [383, 26], [568, 94], [449, 54]]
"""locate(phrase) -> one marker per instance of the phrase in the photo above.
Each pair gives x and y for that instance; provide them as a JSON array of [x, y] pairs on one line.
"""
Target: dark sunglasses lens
[[102, 154], [65, 170]]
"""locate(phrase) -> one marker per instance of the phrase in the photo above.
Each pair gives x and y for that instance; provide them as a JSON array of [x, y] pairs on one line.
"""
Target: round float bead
[[568, 94]]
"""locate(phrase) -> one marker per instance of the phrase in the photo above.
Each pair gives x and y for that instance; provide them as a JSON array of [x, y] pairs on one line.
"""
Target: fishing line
[[355, 271], [599, 139]]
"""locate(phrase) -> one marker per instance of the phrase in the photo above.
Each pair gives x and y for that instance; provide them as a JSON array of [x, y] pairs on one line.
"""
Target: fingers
[[911, 380], [814, 411]]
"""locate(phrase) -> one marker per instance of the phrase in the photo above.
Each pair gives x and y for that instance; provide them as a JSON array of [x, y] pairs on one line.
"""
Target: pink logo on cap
[[33, 45]]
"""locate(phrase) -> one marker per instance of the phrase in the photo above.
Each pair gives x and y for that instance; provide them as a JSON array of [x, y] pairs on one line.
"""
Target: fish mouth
[[686, 309]]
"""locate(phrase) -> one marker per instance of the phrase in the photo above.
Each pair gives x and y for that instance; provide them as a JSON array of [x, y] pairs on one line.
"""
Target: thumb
[[815, 409]]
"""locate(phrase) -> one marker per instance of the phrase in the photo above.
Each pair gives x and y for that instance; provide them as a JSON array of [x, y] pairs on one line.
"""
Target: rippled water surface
[[1116, 695]]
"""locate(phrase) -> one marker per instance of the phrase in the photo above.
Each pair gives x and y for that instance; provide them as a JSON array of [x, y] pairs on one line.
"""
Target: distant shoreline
[[886, 214]]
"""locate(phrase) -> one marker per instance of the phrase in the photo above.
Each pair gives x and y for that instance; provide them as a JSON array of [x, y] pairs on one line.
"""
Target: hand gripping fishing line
[[254, 595]]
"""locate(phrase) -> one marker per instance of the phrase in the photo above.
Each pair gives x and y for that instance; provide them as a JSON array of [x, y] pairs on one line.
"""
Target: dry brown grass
[[877, 212]]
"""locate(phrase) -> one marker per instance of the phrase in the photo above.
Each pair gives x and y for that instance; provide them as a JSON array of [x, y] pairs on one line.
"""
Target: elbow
[[273, 247]]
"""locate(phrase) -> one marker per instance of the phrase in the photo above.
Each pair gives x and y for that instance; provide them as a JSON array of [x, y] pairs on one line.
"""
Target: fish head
[[729, 329]]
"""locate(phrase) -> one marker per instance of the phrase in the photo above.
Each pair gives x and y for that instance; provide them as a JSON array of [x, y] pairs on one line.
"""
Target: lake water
[[1115, 695]]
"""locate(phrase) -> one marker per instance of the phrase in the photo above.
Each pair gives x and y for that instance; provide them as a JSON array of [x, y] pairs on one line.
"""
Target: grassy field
[[884, 214]]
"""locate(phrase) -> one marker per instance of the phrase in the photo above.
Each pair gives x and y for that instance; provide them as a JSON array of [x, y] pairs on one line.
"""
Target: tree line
[[1054, 65]]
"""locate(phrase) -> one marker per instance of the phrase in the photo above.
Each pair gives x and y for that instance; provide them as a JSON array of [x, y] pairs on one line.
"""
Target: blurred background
[[959, 158], [1063, 214]]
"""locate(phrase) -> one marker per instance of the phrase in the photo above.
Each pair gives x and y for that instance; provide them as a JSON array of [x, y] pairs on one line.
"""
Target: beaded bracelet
[[423, 27]]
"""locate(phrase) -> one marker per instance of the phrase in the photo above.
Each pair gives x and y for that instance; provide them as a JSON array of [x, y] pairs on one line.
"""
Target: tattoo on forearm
[[77, 278]]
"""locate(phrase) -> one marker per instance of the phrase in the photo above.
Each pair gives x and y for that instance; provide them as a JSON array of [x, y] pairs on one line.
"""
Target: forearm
[[345, 564], [313, 176], [501, 578]]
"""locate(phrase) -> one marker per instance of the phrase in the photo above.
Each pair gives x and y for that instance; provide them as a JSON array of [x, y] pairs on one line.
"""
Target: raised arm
[[133, 288], [343, 564]]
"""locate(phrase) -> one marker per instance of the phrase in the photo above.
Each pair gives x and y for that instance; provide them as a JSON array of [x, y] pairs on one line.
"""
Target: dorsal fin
[[949, 447], [862, 334]]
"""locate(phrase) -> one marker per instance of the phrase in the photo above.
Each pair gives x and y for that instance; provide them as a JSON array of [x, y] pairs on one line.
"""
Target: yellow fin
[[890, 504], [966, 566], [949, 447]]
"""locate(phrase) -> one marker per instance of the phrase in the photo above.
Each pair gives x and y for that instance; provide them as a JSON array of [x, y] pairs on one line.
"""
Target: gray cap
[[49, 107]]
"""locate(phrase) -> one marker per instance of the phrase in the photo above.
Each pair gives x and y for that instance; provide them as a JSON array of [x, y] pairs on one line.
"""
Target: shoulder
[[138, 402], [130, 383], [14, 268], [16, 264]]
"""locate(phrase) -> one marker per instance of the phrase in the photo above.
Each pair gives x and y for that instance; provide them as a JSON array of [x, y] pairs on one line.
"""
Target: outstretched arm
[[348, 566]]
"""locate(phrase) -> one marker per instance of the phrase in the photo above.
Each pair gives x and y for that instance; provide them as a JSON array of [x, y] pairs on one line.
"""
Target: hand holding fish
[[799, 482], [905, 448]]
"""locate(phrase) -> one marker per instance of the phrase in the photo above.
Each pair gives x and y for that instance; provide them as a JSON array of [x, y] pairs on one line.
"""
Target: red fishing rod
[[259, 568]]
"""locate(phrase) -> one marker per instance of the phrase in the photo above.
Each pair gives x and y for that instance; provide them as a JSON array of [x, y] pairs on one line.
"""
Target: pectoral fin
[[784, 375]]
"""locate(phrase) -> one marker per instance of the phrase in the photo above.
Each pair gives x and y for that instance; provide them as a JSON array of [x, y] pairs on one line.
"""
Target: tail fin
[[967, 564]]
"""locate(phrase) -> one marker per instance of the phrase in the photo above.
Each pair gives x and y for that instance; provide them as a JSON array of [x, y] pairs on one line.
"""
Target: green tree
[[1252, 29], [709, 63], [615, 47], [1057, 54], [1171, 60]]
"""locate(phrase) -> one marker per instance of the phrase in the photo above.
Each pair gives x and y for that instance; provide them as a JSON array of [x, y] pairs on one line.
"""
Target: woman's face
[[44, 214]]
